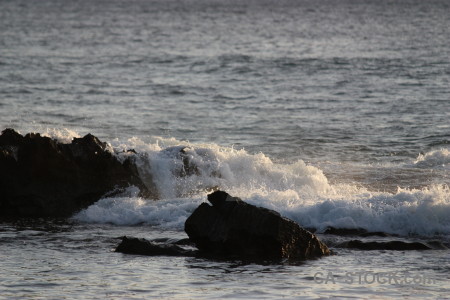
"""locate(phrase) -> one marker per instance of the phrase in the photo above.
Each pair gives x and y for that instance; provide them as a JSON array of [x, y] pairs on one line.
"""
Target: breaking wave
[[436, 158], [297, 190]]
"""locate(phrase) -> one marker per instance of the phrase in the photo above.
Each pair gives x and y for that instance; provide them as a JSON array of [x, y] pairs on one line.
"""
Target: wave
[[436, 158], [210, 166], [184, 173], [407, 212], [64, 136], [128, 209]]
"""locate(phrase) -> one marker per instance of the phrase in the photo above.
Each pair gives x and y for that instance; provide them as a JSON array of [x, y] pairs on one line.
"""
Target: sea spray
[[434, 159], [297, 190]]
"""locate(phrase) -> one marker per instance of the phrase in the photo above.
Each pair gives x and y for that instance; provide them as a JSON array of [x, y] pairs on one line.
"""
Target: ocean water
[[333, 113]]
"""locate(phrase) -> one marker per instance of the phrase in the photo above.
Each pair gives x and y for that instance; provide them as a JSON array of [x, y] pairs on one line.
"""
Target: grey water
[[356, 89]]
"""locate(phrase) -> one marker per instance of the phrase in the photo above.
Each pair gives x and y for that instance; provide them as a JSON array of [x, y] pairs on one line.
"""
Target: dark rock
[[233, 228], [131, 245], [354, 232], [376, 233], [437, 245], [311, 229], [344, 231], [40, 177], [192, 162], [391, 245], [184, 242], [187, 167]]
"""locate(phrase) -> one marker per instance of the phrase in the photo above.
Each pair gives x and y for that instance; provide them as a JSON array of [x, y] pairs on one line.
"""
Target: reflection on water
[[64, 259]]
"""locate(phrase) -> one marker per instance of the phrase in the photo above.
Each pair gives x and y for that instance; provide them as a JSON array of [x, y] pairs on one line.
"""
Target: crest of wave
[[210, 166], [407, 212], [296, 190], [435, 158], [62, 135]]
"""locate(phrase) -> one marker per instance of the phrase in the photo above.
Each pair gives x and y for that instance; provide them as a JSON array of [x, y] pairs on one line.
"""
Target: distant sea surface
[[333, 113]]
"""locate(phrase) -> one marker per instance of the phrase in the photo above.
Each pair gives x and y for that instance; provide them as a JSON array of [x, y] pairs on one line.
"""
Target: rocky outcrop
[[132, 245], [354, 232], [40, 177], [233, 228], [389, 245]]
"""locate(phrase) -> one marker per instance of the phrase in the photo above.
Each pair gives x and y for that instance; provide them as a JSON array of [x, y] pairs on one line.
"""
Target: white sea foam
[[435, 158], [297, 190], [169, 214], [406, 212], [64, 135], [222, 167]]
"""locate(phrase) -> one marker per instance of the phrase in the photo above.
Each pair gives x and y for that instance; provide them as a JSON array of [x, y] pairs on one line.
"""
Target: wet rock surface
[[234, 228], [388, 245], [139, 246], [40, 177], [230, 228], [354, 232]]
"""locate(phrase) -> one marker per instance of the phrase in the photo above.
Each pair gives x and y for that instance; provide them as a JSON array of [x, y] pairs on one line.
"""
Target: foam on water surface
[[435, 158], [297, 190], [63, 135]]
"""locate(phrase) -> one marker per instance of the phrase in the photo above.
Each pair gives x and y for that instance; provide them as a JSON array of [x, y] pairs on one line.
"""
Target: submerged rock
[[40, 177], [390, 245], [354, 232], [233, 228], [131, 245]]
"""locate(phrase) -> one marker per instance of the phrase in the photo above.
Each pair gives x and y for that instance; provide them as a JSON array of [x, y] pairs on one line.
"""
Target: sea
[[330, 112]]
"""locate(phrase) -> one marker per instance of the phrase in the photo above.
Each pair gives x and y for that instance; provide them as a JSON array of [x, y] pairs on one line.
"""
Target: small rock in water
[[354, 232], [131, 245], [391, 245]]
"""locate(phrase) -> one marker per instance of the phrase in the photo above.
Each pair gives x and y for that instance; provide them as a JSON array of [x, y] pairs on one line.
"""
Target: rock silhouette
[[132, 245], [40, 177], [233, 228], [389, 245]]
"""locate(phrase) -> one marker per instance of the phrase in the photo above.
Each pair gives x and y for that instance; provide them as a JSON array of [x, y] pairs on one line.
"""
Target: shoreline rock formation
[[234, 229], [40, 177]]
